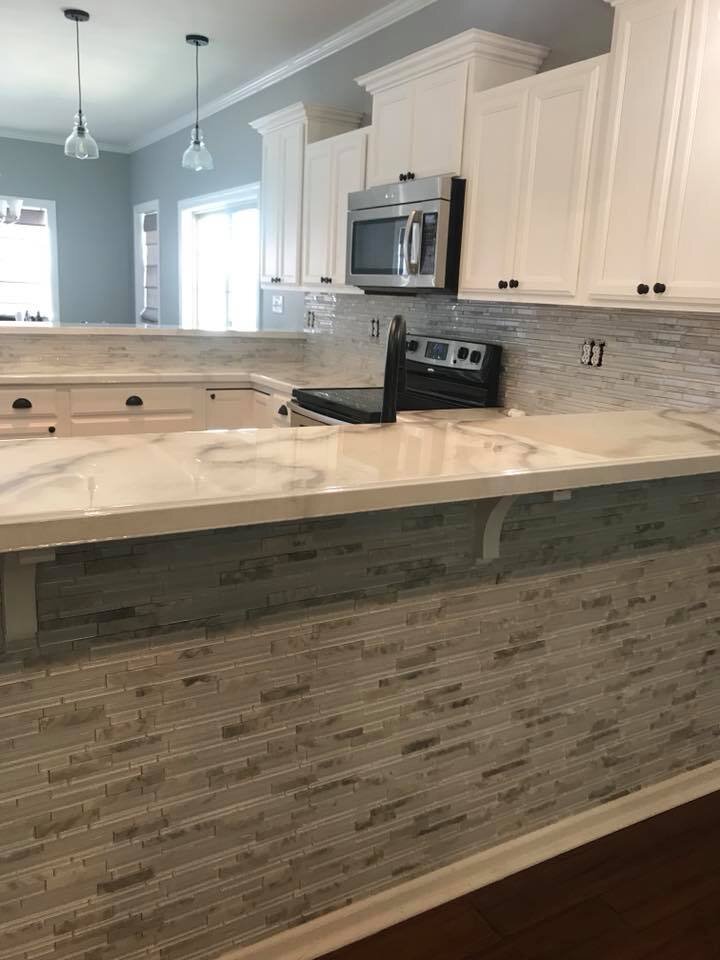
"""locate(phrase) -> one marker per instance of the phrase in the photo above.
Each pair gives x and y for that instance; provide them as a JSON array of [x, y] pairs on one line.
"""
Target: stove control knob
[[475, 356], [412, 346], [462, 353]]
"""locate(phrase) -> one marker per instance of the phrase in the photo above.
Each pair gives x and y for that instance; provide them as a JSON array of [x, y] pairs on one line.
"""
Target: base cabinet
[[27, 412]]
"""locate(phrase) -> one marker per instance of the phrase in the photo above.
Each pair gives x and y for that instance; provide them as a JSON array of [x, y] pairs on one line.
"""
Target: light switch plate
[[278, 303]]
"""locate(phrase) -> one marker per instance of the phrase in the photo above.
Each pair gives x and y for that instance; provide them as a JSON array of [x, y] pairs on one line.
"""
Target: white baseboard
[[375, 913]]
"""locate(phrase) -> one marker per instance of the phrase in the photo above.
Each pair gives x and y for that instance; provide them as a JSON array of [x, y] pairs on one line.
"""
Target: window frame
[[139, 211], [248, 196], [50, 207]]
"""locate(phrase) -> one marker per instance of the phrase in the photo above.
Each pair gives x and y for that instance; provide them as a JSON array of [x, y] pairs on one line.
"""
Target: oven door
[[399, 246], [301, 417]]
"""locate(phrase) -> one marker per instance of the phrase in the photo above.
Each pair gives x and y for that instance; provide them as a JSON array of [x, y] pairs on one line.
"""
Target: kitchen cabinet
[[419, 103], [138, 408], [333, 168], [527, 162], [28, 411], [244, 408], [648, 66], [270, 410], [286, 133], [689, 266]]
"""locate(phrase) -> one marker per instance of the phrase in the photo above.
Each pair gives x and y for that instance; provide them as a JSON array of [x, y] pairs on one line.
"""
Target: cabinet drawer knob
[[212, 396], [51, 429], [403, 177], [659, 288], [642, 289], [502, 285], [514, 284], [134, 401], [22, 403], [283, 410]]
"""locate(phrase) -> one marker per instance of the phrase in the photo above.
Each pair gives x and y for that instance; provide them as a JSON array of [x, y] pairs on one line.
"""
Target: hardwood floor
[[650, 891]]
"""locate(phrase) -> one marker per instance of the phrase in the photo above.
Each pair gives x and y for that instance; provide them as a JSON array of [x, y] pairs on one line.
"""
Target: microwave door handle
[[406, 242], [415, 246]]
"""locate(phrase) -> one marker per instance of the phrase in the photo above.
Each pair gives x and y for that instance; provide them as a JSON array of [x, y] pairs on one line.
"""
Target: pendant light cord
[[197, 90], [77, 48]]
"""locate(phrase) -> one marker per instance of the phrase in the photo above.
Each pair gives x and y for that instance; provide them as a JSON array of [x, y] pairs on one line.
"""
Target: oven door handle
[[411, 266]]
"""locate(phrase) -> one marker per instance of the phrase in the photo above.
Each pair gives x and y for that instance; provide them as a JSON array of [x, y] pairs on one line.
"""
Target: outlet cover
[[278, 303]]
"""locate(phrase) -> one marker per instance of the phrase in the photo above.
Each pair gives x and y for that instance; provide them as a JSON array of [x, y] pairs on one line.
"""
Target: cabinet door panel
[[690, 264], [556, 165], [348, 176], [391, 135], [439, 122], [229, 409], [270, 203], [647, 72], [492, 166], [292, 151], [317, 218]]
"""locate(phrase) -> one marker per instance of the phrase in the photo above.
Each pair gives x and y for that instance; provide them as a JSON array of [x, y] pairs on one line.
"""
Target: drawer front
[[28, 428], [110, 426], [227, 409], [131, 400], [28, 402]]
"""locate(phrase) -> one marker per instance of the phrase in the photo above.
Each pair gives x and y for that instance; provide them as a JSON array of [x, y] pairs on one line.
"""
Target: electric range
[[439, 374]]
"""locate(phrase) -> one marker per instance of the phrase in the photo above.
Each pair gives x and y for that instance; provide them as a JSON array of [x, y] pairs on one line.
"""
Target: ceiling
[[138, 70]]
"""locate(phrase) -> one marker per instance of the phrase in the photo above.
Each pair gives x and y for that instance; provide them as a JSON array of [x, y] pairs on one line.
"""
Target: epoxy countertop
[[79, 489]]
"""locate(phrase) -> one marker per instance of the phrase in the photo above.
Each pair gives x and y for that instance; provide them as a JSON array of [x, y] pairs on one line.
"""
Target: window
[[147, 262], [220, 260], [28, 261]]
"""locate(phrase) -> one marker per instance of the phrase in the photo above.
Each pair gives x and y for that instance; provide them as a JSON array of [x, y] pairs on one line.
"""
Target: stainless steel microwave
[[406, 235]]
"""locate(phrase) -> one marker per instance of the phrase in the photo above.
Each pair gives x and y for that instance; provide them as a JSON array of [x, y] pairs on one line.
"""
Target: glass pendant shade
[[197, 156], [80, 144]]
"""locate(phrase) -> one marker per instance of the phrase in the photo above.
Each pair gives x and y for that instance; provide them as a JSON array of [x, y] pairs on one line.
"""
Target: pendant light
[[80, 143], [197, 156]]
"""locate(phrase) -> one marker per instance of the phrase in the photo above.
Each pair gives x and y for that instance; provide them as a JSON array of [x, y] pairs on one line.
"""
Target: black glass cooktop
[[351, 405]]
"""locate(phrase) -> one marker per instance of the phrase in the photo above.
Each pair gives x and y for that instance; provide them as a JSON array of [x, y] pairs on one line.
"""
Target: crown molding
[[458, 49], [386, 17], [10, 133], [306, 113]]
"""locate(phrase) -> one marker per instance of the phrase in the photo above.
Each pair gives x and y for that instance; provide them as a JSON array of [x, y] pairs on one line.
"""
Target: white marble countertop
[[75, 489], [127, 330]]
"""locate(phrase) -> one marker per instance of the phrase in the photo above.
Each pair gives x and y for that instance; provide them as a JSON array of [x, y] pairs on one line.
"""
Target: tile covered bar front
[[218, 735]]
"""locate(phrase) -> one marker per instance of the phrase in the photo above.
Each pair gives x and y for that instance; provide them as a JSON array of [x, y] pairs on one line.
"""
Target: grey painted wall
[[574, 29], [94, 220]]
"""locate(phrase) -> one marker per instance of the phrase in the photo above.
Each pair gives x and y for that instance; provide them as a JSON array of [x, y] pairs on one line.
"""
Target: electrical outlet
[[375, 328], [596, 354], [586, 352]]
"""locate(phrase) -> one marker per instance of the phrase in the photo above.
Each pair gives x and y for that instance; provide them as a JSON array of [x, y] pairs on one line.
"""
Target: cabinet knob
[[411, 175], [283, 410], [514, 284], [403, 177], [134, 401], [659, 288], [22, 403], [642, 289], [503, 285], [212, 396], [51, 429]]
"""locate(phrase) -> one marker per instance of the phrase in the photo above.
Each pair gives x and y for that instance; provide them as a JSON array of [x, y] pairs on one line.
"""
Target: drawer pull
[[51, 429], [134, 401], [22, 403], [283, 410]]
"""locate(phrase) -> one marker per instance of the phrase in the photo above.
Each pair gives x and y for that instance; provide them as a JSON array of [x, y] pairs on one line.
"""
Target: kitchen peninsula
[[252, 677]]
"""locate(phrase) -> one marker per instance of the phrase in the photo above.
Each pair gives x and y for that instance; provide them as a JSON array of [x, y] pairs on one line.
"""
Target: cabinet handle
[[642, 289], [514, 284], [659, 288], [503, 285], [329, 279], [403, 177], [212, 396], [134, 401], [411, 175], [22, 403], [283, 410], [51, 429]]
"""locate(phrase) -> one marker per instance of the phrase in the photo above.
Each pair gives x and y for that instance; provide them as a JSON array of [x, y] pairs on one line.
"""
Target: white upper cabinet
[[689, 267], [647, 72], [333, 169], [419, 102], [527, 163], [285, 135], [493, 170]]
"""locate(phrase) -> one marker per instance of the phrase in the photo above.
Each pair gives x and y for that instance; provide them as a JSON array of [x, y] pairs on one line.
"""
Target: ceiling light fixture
[[80, 143], [197, 156]]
